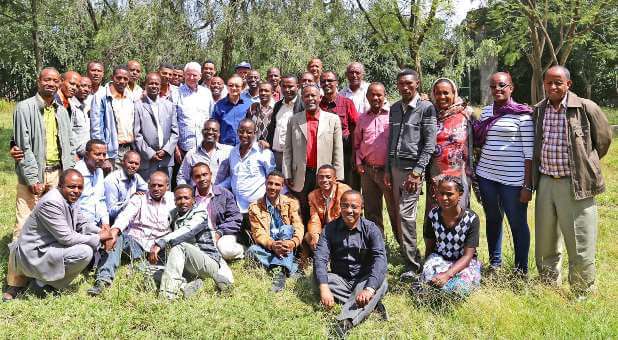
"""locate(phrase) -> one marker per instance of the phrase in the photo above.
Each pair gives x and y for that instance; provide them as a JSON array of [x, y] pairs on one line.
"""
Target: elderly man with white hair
[[357, 86], [194, 107]]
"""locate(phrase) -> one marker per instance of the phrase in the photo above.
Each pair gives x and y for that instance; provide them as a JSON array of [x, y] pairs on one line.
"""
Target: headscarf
[[481, 128], [459, 106]]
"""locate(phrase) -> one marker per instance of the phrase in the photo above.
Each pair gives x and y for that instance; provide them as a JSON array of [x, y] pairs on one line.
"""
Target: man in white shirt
[[357, 86], [282, 112]]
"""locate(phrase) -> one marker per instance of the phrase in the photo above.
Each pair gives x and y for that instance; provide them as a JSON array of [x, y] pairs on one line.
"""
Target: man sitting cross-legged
[[224, 217], [277, 229], [144, 220], [190, 248], [354, 247], [57, 241]]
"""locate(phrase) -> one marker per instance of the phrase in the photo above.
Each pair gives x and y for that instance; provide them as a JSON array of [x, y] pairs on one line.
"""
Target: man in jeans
[[144, 220], [411, 143]]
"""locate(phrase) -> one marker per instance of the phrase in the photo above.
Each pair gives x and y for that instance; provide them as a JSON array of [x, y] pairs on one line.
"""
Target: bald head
[[70, 84]]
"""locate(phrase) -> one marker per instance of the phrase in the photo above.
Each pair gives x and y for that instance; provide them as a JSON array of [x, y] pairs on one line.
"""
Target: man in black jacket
[[191, 248], [282, 112], [411, 143]]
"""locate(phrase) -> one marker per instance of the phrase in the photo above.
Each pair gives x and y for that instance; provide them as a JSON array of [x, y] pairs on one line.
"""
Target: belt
[[375, 167], [50, 168], [556, 176], [125, 145]]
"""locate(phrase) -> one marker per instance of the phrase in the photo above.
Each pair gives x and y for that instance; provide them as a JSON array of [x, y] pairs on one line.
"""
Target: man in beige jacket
[[303, 154]]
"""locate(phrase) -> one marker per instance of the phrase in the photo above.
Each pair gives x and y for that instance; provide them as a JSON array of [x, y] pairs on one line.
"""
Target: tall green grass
[[500, 309]]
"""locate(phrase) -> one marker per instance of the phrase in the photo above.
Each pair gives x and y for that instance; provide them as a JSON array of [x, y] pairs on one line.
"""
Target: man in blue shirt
[[354, 247], [249, 166], [230, 110], [121, 184], [92, 200]]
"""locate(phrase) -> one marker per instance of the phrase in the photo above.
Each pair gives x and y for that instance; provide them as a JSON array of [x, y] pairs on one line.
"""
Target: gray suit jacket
[[52, 226], [330, 146], [145, 131]]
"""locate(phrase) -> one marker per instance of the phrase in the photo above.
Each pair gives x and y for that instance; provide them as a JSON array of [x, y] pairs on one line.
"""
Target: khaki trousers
[[372, 183], [25, 202], [558, 216]]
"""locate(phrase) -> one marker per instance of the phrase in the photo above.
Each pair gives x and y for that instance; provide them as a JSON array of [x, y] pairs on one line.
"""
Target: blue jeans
[[499, 199], [110, 262], [268, 259]]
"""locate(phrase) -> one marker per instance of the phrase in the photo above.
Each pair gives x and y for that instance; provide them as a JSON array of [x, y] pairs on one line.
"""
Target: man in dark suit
[[155, 129], [282, 112]]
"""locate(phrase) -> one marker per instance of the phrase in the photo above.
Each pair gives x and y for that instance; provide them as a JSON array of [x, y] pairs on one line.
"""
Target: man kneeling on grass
[[354, 247], [190, 248], [277, 229]]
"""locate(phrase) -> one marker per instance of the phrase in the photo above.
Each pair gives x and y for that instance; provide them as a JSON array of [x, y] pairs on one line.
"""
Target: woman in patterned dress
[[454, 142], [451, 262]]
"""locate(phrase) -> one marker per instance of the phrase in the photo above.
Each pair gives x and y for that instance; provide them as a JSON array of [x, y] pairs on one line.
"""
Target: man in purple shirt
[[370, 146]]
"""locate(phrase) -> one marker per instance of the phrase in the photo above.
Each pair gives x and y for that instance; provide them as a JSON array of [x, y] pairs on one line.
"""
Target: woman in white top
[[505, 133]]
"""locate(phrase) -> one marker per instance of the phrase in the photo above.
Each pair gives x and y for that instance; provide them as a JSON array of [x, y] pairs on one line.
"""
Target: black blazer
[[298, 107]]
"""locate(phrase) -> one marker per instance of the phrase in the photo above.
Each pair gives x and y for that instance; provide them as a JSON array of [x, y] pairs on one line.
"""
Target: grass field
[[498, 310], [612, 115]]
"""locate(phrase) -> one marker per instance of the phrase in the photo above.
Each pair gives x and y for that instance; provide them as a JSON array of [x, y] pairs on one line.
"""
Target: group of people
[[279, 171]]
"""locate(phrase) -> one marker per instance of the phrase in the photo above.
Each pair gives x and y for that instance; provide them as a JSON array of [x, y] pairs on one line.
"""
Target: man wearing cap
[[242, 70]]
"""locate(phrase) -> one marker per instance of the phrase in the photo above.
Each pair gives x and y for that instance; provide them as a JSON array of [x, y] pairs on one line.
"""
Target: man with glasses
[[343, 107], [230, 110]]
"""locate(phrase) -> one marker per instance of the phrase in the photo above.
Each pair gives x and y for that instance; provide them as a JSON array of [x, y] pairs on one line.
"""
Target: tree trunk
[[486, 69], [227, 48], [536, 85], [36, 48]]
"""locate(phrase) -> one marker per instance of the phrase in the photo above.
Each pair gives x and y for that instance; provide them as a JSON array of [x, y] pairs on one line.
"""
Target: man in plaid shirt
[[571, 136]]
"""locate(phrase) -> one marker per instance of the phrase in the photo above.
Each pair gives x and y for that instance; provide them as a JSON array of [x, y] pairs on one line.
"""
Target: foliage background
[[385, 35]]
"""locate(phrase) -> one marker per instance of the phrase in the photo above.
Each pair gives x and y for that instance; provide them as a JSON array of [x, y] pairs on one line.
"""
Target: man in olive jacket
[[42, 130], [571, 136]]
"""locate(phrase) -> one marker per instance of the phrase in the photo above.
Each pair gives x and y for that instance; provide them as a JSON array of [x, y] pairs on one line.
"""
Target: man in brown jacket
[[571, 136], [324, 203], [277, 229]]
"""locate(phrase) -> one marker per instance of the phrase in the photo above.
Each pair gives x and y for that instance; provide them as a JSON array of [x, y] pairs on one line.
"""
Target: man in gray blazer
[[155, 129], [57, 242], [303, 154]]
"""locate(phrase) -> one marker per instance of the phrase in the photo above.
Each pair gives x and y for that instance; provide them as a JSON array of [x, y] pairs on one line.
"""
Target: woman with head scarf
[[453, 154], [505, 133]]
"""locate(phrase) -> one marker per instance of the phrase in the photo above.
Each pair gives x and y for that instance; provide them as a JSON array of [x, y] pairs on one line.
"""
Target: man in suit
[[57, 242], [155, 129], [303, 155], [282, 112]]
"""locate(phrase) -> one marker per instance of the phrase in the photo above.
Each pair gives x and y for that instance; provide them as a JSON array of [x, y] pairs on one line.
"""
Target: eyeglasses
[[346, 206], [500, 86]]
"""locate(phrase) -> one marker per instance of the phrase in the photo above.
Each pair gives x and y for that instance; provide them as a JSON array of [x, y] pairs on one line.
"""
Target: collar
[[240, 100], [162, 201], [210, 192], [112, 92], [316, 117], [254, 147], [414, 102], [83, 169], [383, 111], [62, 99], [341, 225], [203, 150], [291, 103], [269, 204], [41, 102]]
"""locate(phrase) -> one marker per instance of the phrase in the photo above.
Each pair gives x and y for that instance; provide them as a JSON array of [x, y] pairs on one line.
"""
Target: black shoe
[[279, 281], [381, 309], [41, 292], [97, 289], [343, 328], [409, 276]]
